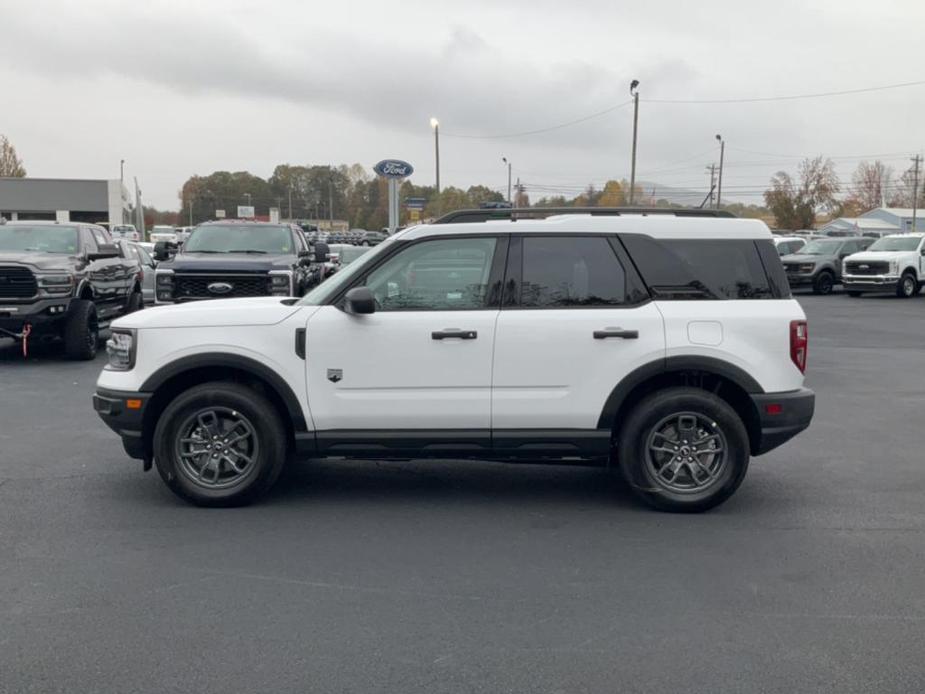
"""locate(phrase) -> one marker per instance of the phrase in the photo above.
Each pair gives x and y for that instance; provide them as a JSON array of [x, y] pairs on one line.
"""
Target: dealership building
[[65, 199]]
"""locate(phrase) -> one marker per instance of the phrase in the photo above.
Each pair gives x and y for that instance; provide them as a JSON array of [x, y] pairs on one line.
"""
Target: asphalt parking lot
[[457, 576]]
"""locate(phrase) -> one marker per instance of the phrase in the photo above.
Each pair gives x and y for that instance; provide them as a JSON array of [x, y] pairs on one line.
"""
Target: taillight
[[799, 343]]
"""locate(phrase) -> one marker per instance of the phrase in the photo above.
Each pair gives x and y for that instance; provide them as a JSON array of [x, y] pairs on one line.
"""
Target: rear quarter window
[[719, 269]]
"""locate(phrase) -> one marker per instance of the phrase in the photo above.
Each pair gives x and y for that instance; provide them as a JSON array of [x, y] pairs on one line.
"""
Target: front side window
[[99, 236], [438, 275], [573, 271], [703, 268]]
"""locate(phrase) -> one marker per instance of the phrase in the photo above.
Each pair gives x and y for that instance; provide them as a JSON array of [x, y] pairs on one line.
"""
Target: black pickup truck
[[226, 259], [63, 280]]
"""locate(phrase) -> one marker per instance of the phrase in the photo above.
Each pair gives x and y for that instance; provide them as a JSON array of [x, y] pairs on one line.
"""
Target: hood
[[882, 256], [263, 310], [794, 258], [40, 261], [227, 262]]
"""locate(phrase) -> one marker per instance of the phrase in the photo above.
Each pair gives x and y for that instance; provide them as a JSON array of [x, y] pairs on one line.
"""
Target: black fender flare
[[658, 367], [232, 361]]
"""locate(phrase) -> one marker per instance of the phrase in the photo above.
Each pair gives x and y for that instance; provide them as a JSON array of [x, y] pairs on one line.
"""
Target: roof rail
[[513, 214]]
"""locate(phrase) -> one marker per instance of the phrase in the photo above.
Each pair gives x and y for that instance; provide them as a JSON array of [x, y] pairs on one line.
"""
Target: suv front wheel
[[683, 449], [219, 444]]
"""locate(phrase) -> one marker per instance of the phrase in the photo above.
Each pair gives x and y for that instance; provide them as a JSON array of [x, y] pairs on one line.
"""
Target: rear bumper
[[114, 409], [782, 416]]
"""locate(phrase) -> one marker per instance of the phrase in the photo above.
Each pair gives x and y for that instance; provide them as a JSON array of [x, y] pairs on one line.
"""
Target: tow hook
[[24, 336]]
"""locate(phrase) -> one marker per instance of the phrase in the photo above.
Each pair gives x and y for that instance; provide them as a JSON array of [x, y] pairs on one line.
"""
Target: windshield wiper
[[248, 250], [206, 251]]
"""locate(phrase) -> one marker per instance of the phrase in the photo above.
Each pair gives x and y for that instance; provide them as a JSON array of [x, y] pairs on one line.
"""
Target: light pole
[[290, 201], [504, 159], [435, 124], [634, 91], [719, 185], [121, 188]]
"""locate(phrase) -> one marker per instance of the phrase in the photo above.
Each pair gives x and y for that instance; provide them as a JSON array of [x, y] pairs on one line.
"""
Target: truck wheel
[[824, 283], [81, 331], [220, 444], [683, 450], [908, 286], [136, 302]]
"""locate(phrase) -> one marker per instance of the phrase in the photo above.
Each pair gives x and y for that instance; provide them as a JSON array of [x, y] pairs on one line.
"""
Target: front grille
[[197, 286], [17, 283], [867, 267]]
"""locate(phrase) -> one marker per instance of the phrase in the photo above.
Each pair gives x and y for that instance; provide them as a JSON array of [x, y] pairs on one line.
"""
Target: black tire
[[853, 294], [81, 331], [824, 283], [265, 446], [640, 465], [136, 302], [908, 286]]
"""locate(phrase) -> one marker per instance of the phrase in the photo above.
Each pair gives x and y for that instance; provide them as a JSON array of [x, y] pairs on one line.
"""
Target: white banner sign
[[245, 211], [219, 214]]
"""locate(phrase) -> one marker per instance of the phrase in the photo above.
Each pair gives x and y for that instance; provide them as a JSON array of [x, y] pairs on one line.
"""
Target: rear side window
[[678, 269], [574, 271]]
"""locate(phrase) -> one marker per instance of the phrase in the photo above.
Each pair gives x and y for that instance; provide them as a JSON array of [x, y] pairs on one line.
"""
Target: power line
[[542, 130], [788, 97]]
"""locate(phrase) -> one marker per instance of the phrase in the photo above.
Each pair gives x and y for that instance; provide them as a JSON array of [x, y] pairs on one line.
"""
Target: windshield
[[38, 239], [234, 238], [329, 287], [820, 248], [896, 243]]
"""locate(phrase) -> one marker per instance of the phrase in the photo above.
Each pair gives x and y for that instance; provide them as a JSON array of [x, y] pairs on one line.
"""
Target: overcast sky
[[180, 88]]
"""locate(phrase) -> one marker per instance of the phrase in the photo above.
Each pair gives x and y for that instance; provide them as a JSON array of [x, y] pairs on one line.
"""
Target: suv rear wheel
[[683, 449], [220, 444], [81, 331]]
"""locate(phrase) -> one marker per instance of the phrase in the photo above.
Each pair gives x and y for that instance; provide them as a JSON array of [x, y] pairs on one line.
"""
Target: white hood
[[264, 310], [883, 256]]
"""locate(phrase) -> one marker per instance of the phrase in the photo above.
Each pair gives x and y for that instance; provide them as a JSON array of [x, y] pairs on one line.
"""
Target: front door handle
[[449, 333], [616, 332]]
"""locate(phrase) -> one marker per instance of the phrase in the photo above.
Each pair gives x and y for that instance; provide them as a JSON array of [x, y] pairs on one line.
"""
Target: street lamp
[[634, 92], [122, 188], [719, 185], [504, 159], [435, 124]]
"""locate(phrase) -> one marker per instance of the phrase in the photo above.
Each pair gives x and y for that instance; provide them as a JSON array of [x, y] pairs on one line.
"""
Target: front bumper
[[782, 416], [41, 313], [124, 412], [870, 282], [801, 279]]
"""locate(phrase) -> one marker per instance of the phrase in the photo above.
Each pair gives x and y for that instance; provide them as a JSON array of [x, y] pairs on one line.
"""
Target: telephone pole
[[634, 91], [719, 185], [504, 159], [290, 201], [916, 162]]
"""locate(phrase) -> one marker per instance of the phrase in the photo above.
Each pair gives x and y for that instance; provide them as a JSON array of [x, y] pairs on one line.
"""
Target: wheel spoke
[[694, 448]]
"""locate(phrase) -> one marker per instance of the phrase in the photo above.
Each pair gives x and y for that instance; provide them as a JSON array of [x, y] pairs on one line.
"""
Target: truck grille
[[867, 267], [197, 286], [17, 283]]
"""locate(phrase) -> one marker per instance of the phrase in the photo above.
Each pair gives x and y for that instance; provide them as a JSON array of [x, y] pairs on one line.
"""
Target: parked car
[[126, 232], [818, 264], [348, 254], [236, 259], [894, 263], [373, 238], [183, 233], [668, 347], [786, 245], [163, 233], [148, 265], [64, 280]]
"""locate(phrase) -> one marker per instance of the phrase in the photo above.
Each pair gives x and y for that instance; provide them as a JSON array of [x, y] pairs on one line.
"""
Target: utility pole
[[509, 201], [331, 202], [712, 169], [191, 209], [121, 188], [719, 186], [290, 201], [634, 91], [916, 161]]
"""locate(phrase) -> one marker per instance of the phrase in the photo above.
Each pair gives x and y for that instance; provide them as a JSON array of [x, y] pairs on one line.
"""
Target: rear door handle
[[449, 333], [616, 332]]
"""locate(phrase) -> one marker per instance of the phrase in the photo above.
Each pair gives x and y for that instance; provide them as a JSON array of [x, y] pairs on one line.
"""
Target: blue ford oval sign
[[393, 168]]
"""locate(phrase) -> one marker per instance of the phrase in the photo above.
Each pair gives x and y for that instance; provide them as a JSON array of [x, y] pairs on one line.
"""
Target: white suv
[[894, 263], [666, 345]]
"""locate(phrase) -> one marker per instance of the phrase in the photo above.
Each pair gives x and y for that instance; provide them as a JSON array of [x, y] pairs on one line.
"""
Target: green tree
[[10, 163]]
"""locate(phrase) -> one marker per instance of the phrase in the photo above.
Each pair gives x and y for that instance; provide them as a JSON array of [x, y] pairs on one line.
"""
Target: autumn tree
[[795, 202], [870, 184], [10, 163], [903, 191], [612, 195]]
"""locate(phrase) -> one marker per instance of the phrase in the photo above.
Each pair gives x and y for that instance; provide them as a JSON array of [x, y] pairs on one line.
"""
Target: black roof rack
[[513, 214]]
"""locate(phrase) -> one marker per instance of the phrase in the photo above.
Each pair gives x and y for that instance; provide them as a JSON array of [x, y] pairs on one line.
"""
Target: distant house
[[877, 222]]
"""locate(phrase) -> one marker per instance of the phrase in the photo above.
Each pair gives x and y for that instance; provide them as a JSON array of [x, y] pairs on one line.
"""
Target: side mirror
[[923, 251], [360, 301], [103, 251], [162, 250], [321, 252]]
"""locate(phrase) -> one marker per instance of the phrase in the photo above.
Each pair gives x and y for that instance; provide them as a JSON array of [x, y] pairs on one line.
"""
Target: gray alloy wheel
[[686, 453], [907, 286], [216, 448]]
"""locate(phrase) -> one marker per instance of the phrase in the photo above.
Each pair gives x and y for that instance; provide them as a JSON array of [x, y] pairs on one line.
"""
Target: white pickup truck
[[892, 263]]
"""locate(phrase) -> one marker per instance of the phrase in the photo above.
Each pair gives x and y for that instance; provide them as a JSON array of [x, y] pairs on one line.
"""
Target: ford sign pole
[[394, 170]]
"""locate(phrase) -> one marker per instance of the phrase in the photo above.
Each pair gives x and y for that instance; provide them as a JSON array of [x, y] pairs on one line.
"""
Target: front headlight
[[121, 348], [281, 283], [894, 267], [163, 285], [55, 284], [807, 267]]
